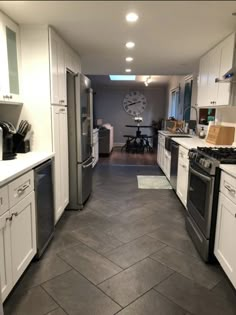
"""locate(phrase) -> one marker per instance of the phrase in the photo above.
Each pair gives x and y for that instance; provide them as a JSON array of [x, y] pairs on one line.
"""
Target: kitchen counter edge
[[11, 169]]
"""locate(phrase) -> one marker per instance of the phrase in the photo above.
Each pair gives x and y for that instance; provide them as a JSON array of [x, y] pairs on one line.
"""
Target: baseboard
[[118, 144]]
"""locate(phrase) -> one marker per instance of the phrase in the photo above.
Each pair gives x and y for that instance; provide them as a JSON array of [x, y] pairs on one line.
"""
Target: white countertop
[[10, 169], [192, 143], [229, 168]]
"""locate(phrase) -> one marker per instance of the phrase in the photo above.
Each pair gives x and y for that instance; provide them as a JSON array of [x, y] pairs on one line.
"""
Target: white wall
[[36, 84], [108, 105]]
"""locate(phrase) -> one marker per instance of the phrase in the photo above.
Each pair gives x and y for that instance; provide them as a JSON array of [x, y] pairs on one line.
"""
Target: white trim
[[118, 144]]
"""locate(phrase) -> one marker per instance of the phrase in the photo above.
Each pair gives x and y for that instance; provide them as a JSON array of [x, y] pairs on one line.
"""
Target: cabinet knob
[[9, 218], [10, 96], [14, 214]]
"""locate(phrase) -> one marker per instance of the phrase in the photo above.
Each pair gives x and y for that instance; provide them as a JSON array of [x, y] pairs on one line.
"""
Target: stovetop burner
[[223, 155]]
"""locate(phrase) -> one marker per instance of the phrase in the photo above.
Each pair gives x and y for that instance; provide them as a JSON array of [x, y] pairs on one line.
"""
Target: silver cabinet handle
[[22, 189], [62, 110], [1, 201], [14, 214], [231, 190], [9, 218]]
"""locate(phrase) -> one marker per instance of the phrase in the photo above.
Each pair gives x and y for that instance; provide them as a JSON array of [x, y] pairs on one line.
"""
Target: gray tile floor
[[126, 253]]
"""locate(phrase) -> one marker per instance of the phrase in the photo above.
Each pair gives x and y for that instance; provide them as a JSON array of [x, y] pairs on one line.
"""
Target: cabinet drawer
[[20, 188], [4, 200], [183, 153], [228, 186]]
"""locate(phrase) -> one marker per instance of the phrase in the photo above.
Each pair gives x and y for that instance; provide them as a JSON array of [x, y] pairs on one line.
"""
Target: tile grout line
[[59, 306], [94, 285]]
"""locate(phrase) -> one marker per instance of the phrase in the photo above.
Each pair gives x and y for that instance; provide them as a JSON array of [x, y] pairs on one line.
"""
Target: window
[[174, 103]]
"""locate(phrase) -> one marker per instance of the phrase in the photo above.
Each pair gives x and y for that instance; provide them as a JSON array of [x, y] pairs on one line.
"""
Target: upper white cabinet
[[9, 61], [214, 65], [57, 69]]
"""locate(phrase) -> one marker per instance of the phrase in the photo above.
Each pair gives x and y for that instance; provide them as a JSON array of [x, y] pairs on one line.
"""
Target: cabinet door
[[225, 241], [62, 74], [5, 255], [57, 69], [202, 98], [10, 61], [57, 162], [214, 70], [226, 64], [23, 235], [182, 181], [63, 136]]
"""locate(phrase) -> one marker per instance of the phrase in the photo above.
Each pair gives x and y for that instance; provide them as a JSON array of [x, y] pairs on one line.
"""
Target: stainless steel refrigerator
[[80, 127]]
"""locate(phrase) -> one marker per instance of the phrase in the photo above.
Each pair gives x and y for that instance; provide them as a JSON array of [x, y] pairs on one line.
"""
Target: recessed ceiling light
[[130, 44], [122, 77], [127, 70], [131, 17], [129, 59]]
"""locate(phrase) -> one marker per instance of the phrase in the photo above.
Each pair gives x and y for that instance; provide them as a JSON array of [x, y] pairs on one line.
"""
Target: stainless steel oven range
[[203, 191]]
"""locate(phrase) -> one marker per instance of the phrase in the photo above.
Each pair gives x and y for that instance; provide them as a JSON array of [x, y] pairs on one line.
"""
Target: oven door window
[[199, 191]]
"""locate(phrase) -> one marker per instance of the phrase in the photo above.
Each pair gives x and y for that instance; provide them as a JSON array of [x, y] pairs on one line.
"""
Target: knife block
[[220, 135], [24, 147]]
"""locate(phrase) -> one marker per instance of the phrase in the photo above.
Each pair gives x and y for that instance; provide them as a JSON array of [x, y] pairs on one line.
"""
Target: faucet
[[196, 110]]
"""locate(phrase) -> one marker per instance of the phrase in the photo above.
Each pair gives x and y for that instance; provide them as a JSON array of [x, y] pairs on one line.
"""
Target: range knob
[[207, 164], [202, 161]]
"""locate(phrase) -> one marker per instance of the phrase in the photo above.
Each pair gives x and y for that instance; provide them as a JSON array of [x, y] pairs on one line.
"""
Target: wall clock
[[134, 103]]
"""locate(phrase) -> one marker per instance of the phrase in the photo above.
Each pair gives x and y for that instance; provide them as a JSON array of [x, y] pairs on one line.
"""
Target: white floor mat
[[153, 182]]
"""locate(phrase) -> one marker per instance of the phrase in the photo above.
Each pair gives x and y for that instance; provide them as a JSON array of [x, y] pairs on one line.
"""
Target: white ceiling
[[104, 80], [170, 36]]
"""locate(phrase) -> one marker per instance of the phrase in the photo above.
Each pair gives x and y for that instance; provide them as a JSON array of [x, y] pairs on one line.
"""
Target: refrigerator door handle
[[88, 165]]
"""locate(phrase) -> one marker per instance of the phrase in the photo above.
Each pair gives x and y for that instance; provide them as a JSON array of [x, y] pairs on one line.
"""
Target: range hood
[[227, 78]]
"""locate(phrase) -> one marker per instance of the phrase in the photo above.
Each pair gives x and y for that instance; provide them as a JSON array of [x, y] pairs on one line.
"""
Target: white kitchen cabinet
[[23, 235], [182, 175], [9, 61], [202, 97], [167, 163], [214, 65], [17, 232], [61, 168], [5, 255], [225, 241], [161, 151], [57, 69]]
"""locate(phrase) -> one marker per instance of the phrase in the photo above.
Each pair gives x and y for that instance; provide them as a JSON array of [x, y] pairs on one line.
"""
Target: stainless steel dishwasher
[[44, 206]]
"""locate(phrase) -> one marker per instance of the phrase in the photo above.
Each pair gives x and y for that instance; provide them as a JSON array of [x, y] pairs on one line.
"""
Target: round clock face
[[134, 103]]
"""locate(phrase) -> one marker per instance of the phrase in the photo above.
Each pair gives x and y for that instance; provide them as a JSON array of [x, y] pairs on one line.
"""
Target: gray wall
[[108, 105]]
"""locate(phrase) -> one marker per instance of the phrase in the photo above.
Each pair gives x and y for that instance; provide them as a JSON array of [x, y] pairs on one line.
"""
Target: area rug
[[153, 182]]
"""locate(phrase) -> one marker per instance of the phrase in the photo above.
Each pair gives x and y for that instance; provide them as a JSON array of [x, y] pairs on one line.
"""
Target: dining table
[[138, 143]]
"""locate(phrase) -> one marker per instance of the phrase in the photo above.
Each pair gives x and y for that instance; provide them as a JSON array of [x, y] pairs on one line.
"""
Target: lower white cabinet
[[17, 241], [225, 240], [5, 255], [182, 175], [61, 167], [167, 163], [23, 235]]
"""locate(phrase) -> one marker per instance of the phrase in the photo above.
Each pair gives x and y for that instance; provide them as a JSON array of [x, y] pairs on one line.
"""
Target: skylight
[[122, 77]]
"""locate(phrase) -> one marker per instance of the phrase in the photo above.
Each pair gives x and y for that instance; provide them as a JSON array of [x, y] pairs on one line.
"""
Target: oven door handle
[[205, 178]]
